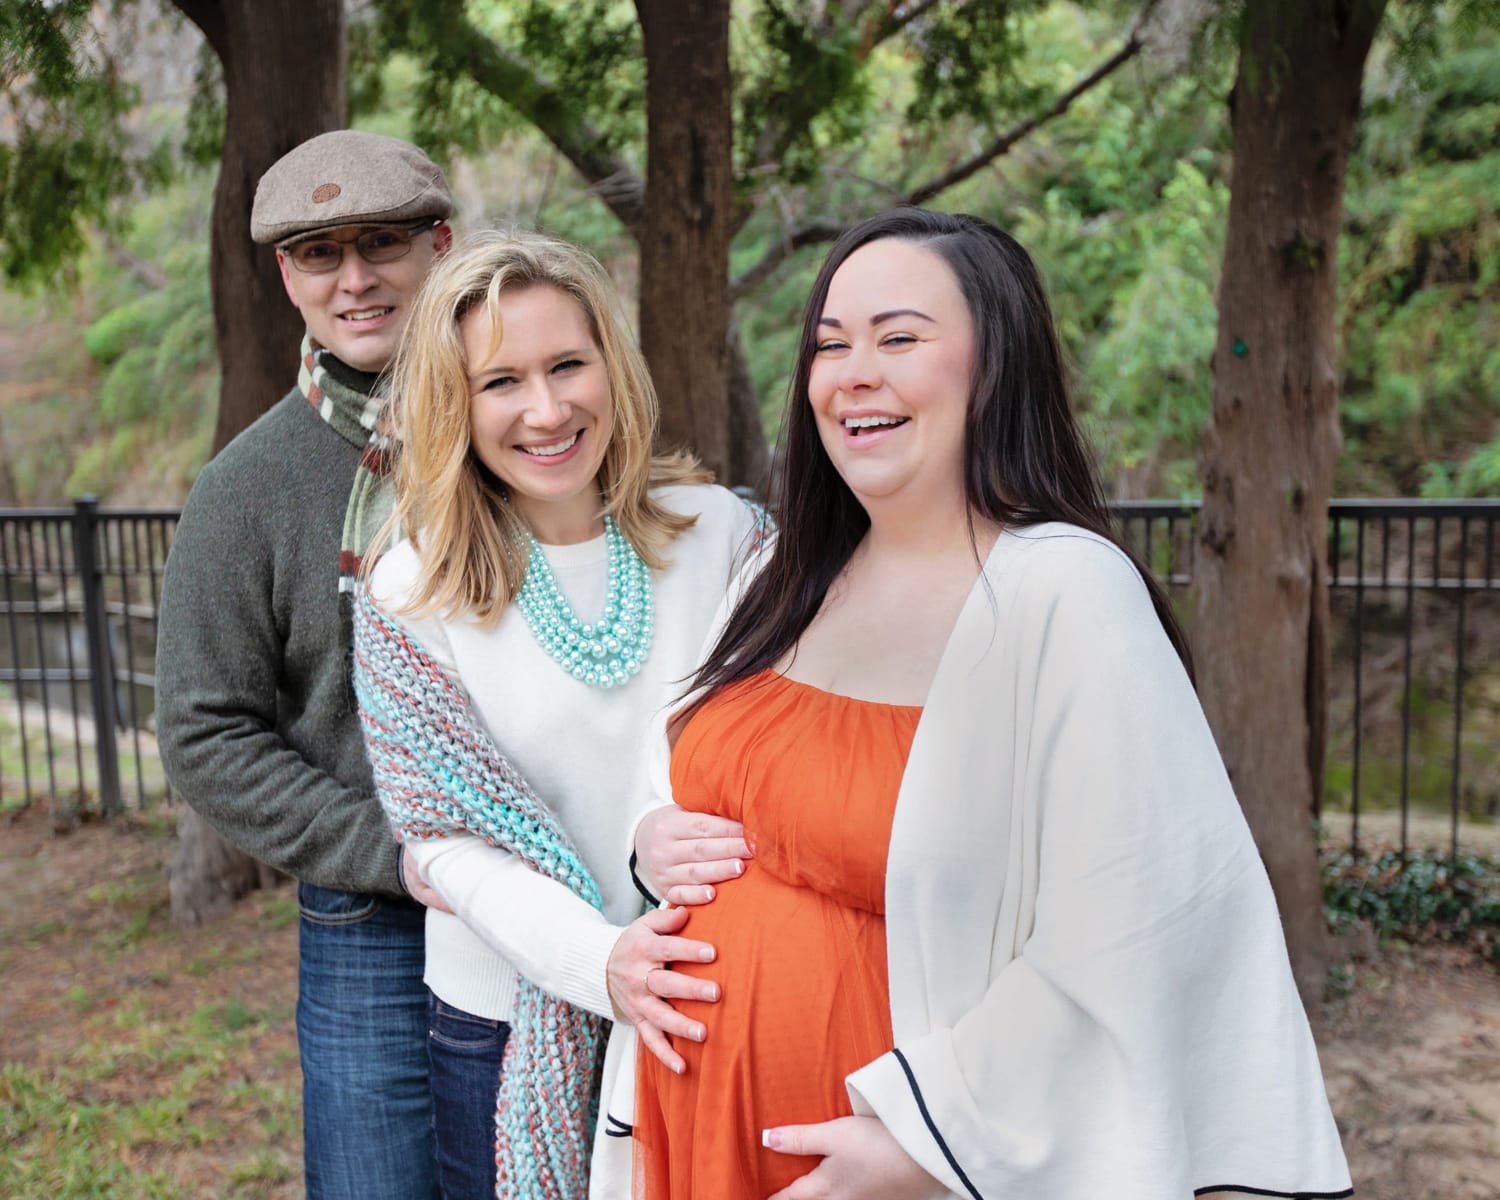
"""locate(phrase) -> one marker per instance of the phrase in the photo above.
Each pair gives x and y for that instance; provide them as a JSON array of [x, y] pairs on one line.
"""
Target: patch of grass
[[278, 912], [275, 1106], [262, 1168], [230, 1016], [43, 930], [61, 1145]]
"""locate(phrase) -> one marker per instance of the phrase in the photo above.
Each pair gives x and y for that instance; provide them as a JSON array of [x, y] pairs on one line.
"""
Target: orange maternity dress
[[805, 1000]]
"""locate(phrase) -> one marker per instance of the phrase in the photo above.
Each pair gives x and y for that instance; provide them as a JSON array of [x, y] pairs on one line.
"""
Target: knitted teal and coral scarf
[[438, 773], [356, 414]]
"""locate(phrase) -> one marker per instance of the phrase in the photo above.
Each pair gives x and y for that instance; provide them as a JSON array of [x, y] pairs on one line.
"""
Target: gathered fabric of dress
[[802, 957]]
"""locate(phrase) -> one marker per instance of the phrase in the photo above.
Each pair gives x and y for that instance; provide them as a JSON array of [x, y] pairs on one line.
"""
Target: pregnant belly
[[804, 1001]]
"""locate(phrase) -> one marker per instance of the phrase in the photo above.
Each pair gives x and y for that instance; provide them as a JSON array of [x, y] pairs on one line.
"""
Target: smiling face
[[539, 411], [359, 310], [889, 383]]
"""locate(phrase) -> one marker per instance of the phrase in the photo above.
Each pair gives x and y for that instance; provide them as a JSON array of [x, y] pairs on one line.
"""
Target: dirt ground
[[174, 1050]]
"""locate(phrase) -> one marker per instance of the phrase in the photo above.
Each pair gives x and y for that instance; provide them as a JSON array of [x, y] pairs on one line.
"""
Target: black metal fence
[[1413, 756], [1414, 743], [79, 591]]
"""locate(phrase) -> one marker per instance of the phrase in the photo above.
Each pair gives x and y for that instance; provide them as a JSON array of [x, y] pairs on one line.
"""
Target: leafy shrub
[[1426, 897]]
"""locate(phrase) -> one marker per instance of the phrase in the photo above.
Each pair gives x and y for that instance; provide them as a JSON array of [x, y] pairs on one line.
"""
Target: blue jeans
[[362, 1032], [465, 1052]]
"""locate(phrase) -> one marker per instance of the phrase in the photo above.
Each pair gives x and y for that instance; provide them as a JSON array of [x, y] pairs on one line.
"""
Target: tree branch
[[446, 40], [814, 232], [517, 83], [897, 17], [140, 269], [810, 234], [1006, 141], [881, 20]]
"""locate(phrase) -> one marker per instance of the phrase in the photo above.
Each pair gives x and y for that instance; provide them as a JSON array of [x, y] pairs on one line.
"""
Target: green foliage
[[63, 166], [203, 138], [1420, 269], [971, 60], [1425, 896], [785, 62], [1147, 376], [486, 67]]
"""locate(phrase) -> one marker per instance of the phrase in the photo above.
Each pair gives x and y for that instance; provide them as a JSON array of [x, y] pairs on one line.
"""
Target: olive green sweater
[[255, 711]]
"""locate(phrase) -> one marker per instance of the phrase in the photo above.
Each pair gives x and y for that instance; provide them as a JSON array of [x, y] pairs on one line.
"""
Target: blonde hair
[[472, 541]]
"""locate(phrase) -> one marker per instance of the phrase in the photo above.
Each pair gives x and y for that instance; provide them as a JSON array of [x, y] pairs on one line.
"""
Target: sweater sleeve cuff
[[584, 959]]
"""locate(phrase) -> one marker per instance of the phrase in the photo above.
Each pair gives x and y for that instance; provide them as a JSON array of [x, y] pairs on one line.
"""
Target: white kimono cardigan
[[1090, 993]]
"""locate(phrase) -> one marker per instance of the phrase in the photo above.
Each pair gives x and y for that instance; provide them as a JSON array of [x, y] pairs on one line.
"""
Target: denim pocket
[[328, 906], [459, 1030]]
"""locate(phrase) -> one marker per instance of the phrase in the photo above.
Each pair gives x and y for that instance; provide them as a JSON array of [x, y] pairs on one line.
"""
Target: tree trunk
[[684, 296], [749, 455], [283, 66], [1273, 437]]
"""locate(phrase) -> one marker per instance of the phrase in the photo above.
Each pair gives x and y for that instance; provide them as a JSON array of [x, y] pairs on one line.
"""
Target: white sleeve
[[1147, 1039], [552, 936]]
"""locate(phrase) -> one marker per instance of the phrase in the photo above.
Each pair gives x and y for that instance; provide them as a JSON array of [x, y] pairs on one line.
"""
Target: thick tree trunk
[[684, 297], [1273, 437], [749, 455], [283, 66]]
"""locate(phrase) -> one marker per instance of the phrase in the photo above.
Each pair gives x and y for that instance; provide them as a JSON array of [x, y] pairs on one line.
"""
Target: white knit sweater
[[583, 749]]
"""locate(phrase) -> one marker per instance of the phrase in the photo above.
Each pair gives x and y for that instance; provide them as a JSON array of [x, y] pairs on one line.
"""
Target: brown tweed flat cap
[[346, 178]]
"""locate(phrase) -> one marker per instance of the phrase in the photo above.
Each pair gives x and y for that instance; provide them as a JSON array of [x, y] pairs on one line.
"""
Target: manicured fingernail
[[679, 1068], [739, 866], [706, 954], [708, 894], [711, 992], [770, 1139], [699, 1033]]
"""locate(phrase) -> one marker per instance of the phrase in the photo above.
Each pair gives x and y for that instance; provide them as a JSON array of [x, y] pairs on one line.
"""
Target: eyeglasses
[[319, 255]]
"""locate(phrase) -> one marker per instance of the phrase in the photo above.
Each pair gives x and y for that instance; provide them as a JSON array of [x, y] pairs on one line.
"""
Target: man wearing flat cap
[[256, 714]]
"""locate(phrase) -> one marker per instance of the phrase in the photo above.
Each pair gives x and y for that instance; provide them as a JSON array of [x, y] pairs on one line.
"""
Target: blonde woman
[[555, 586]]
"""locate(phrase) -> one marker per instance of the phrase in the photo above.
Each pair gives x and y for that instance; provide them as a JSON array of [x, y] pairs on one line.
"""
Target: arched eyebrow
[[880, 317]]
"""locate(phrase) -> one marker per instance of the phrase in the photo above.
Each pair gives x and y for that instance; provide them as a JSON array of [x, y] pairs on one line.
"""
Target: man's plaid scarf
[[356, 416]]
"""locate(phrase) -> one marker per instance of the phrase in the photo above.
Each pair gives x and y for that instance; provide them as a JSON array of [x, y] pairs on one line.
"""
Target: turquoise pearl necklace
[[609, 652]]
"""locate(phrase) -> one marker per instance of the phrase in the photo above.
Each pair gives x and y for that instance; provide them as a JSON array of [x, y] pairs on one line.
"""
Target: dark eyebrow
[[880, 317]]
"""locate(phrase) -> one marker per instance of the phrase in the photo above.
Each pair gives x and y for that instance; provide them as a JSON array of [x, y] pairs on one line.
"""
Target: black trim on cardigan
[[616, 1127], [654, 901], [1255, 1191], [931, 1128]]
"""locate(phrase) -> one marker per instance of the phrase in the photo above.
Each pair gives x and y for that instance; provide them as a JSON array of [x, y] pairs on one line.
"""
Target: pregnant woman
[[1005, 933]]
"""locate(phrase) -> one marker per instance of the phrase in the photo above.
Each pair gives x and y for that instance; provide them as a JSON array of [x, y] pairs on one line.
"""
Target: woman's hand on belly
[[680, 855], [861, 1161], [642, 985]]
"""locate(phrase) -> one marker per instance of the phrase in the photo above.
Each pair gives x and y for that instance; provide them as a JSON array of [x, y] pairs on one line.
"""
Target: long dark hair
[[1025, 461]]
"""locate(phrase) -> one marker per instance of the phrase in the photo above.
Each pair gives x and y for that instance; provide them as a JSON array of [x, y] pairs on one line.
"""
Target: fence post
[[101, 661]]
